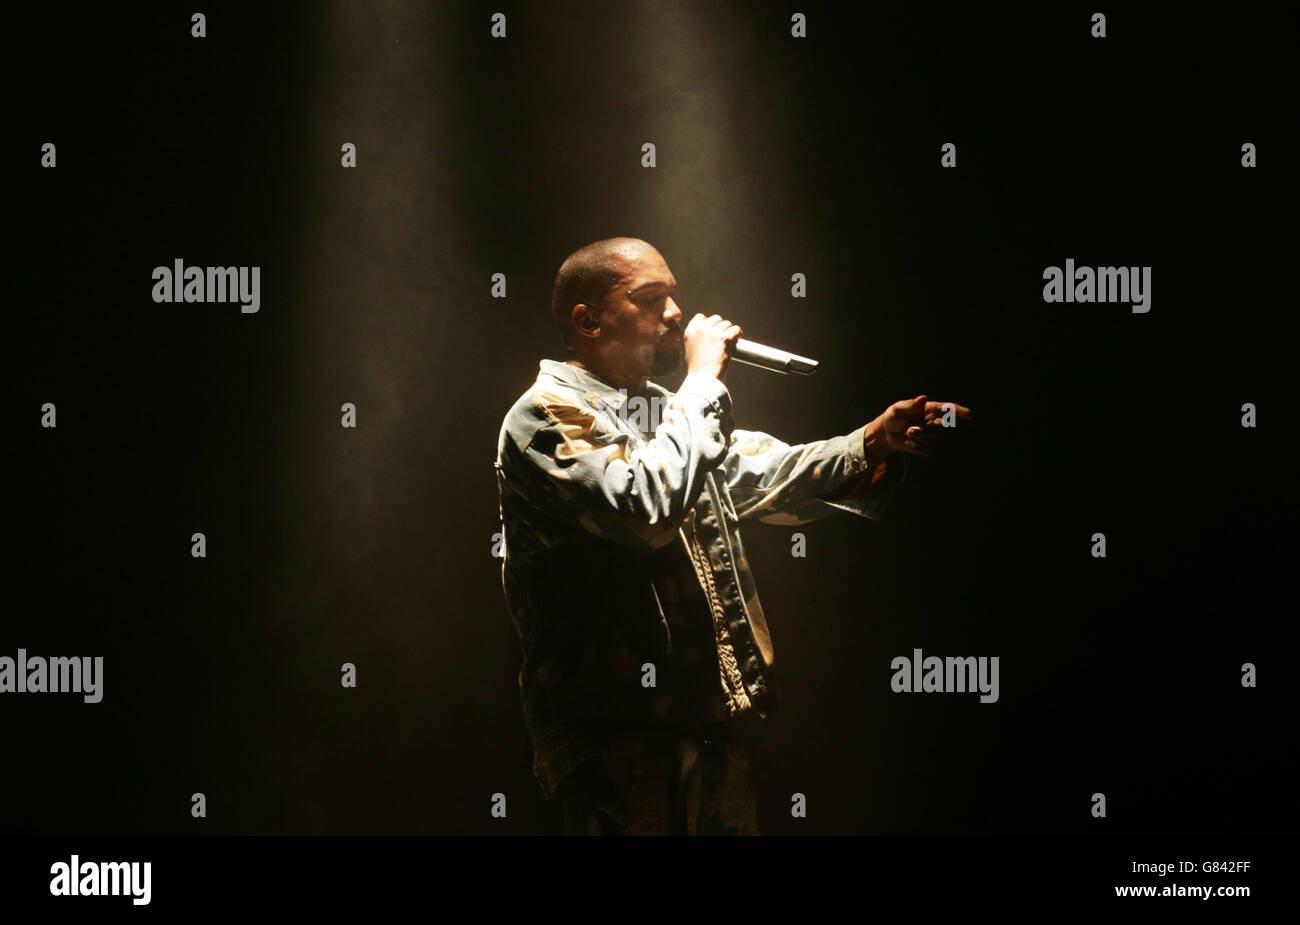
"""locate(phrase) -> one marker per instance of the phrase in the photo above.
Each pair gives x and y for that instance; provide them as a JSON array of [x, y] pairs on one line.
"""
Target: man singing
[[646, 655]]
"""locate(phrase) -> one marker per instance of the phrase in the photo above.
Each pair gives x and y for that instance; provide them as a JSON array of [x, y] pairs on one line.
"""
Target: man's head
[[615, 303]]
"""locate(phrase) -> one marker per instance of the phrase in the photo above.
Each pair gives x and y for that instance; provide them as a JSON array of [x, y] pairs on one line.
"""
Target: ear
[[585, 320]]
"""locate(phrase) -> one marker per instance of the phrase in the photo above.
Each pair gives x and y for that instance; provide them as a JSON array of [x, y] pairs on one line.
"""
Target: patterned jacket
[[624, 572]]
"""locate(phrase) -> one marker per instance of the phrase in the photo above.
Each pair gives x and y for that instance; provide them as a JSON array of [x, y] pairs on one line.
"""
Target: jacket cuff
[[869, 486], [710, 388], [857, 453]]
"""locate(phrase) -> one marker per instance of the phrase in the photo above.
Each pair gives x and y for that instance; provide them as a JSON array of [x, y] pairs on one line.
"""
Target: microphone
[[770, 358]]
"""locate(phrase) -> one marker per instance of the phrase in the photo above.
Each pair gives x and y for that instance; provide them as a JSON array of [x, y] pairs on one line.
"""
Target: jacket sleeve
[[775, 483], [578, 469]]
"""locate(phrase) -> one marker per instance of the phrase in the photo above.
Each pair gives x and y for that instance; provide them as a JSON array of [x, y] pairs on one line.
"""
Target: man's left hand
[[912, 425]]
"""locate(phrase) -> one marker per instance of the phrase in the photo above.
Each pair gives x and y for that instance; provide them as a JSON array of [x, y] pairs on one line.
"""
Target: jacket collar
[[588, 382]]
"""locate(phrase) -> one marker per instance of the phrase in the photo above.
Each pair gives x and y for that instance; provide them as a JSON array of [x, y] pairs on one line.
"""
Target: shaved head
[[590, 273]]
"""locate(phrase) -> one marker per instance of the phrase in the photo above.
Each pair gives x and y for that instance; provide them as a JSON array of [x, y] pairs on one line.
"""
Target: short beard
[[668, 358]]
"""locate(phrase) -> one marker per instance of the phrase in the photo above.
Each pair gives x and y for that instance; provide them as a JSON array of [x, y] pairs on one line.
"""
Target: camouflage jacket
[[623, 568]]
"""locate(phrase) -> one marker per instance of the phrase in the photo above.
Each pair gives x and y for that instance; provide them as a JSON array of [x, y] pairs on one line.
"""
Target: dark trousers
[[657, 783]]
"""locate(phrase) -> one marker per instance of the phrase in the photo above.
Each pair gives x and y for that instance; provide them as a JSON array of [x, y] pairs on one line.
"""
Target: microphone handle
[[770, 358]]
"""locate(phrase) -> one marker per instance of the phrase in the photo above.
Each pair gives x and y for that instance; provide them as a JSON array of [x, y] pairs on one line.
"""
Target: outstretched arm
[[776, 483], [859, 472]]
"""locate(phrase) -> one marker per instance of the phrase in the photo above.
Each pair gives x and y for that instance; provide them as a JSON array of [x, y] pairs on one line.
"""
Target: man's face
[[641, 333]]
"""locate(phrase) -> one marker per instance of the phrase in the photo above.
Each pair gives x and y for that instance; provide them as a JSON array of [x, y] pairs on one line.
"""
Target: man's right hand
[[705, 341]]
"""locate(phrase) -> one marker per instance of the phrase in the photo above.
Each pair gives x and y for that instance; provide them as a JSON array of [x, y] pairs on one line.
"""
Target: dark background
[[775, 155]]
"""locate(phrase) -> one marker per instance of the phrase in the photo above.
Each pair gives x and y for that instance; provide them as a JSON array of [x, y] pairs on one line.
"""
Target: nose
[[672, 313]]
